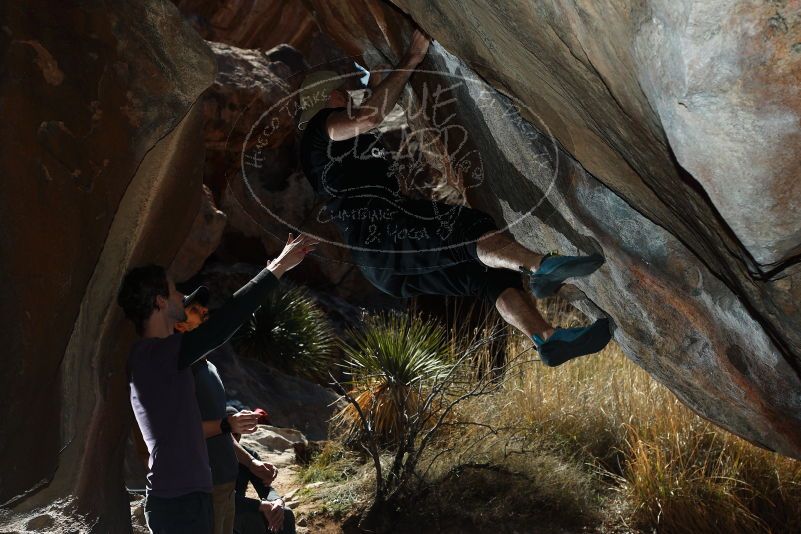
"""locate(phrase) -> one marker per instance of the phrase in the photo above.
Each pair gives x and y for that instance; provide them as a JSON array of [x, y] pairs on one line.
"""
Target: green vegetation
[[595, 444], [333, 464], [391, 360], [290, 332]]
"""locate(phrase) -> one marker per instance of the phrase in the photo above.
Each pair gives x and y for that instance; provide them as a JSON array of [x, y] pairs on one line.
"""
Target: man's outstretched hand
[[294, 251]]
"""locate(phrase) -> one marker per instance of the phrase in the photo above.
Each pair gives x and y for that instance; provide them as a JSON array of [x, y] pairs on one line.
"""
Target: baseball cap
[[199, 295], [314, 92]]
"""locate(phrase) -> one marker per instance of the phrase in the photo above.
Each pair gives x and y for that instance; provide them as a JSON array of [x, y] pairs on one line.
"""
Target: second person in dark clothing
[[220, 425]]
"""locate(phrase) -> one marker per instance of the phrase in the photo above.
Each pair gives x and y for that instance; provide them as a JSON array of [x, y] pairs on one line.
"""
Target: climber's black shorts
[[408, 247], [470, 278]]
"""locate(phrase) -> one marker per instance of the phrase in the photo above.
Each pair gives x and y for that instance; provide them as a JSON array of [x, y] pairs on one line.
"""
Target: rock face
[[248, 83], [673, 316], [652, 99], [664, 134], [258, 24], [723, 77], [625, 85], [102, 158], [675, 129], [292, 402]]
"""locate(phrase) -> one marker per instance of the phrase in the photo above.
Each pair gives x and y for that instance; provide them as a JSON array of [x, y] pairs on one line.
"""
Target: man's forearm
[[227, 320], [242, 456]]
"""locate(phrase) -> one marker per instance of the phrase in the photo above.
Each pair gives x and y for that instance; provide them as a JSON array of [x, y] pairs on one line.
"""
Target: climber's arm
[[343, 125]]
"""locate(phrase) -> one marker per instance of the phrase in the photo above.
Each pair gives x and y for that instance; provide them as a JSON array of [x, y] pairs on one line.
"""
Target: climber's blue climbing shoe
[[555, 269], [568, 343]]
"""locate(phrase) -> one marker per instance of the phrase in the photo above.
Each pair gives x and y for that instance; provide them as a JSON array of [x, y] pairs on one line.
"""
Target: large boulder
[[675, 129], [102, 157], [248, 84], [626, 85], [689, 111], [673, 316]]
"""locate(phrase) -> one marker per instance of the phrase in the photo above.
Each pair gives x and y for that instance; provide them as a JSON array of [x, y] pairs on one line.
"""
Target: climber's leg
[[517, 309], [547, 273], [501, 251], [564, 344], [554, 345]]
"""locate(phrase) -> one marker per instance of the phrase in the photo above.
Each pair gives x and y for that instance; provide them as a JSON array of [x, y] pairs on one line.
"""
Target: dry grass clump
[[685, 475], [670, 469], [595, 443]]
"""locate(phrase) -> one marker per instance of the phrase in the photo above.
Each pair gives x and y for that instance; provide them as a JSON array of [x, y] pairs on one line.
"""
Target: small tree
[[403, 394], [391, 359]]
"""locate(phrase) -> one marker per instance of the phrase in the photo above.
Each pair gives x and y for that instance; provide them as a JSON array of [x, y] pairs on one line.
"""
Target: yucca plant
[[391, 360], [290, 332]]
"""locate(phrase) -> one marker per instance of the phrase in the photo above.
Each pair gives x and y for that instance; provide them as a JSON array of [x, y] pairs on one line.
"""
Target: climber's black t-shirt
[[338, 170], [403, 246]]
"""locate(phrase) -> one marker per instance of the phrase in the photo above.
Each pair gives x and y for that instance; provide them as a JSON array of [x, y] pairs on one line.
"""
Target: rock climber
[[405, 246]]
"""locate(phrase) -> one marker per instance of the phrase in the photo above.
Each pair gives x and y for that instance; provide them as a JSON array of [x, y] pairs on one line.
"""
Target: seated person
[[268, 513]]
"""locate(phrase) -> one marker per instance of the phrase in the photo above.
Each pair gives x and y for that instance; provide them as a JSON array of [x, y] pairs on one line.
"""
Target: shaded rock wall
[[248, 83], [202, 240], [102, 160], [254, 79], [249, 24]]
